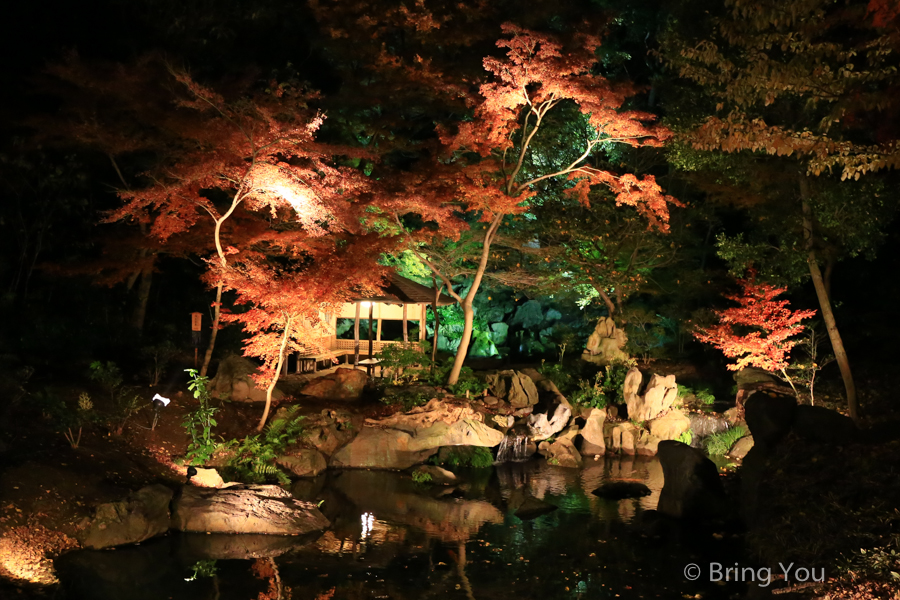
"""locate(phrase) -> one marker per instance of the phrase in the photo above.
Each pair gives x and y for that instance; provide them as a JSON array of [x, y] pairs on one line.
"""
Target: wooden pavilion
[[401, 299]]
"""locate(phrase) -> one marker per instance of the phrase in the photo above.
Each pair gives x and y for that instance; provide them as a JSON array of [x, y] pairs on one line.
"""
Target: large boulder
[[645, 443], [621, 438], [549, 419], [657, 398], [605, 344], [331, 430], [143, 515], [343, 384], [561, 453], [468, 432], [266, 509], [592, 432], [513, 386], [303, 463], [691, 487], [769, 417], [376, 448], [234, 381], [670, 425], [741, 448], [825, 426]]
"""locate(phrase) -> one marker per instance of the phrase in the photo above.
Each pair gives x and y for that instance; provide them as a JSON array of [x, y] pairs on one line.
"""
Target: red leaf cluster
[[757, 333]]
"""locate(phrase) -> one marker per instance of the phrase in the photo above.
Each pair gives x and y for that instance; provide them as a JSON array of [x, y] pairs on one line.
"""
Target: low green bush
[[467, 456]]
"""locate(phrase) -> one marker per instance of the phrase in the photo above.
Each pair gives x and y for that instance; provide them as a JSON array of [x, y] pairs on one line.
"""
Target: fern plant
[[254, 457]]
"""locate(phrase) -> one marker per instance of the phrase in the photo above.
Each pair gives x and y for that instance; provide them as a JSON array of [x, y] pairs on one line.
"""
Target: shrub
[[254, 458], [199, 423], [590, 394], [407, 399], [686, 437], [467, 456], [398, 358], [70, 421], [719, 444], [703, 395], [421, 477]]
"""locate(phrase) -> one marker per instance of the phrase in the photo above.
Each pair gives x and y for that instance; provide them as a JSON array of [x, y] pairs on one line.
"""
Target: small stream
[[393, 538]]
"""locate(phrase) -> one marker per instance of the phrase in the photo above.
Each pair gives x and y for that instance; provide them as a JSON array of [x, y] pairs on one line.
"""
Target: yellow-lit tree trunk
[[837, 344], [286, 335]]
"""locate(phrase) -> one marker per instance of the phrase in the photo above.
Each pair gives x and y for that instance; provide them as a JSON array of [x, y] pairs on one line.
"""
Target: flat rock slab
[[263, 509], [619, 490], [143, 515]]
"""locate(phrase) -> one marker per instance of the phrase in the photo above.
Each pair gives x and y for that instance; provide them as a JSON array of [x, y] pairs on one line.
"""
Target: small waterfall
[[514, 447], [706, 425]]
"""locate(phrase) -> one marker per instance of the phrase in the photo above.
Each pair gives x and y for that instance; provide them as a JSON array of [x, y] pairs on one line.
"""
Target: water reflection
[[393, 538]]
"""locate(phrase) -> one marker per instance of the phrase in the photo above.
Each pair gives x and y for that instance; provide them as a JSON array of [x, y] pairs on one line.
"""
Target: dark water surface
[[393, 538]]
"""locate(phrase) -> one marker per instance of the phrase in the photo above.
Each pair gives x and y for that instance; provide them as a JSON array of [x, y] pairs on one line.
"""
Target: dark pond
[[393, 538]]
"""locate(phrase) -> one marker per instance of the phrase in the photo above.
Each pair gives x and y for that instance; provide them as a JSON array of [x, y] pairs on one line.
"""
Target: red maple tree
[[758, 332], [488, 165]]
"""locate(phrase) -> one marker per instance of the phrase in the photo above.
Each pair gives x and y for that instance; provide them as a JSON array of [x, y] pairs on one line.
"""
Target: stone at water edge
[[376, 448], [621, 437], [266, 509], [619, 490], [561, 453], [143, 515], [592, 432], [741, 447], [691, 487], [303, 463], [532, 508], [670, 425], [438, 475]]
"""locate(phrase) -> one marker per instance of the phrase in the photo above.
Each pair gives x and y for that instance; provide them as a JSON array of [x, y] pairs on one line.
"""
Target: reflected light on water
[[368, 521]]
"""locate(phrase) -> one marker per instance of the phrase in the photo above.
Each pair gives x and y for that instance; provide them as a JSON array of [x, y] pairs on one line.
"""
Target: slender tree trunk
[[215, 330], [606, 300], [840, 354], [466, 304], [140, 311], [288, 321], [356, 337]]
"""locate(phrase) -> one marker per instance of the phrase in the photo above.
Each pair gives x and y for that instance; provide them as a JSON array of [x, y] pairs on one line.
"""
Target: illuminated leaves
[[758, 332]]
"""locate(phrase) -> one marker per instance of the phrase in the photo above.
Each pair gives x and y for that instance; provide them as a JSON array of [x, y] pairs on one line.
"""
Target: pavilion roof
[[401, 290]]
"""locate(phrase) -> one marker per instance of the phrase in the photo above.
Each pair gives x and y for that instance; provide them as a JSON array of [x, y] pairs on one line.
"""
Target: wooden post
[[405, 331], [371, 318], [423, 314], [356, 338]]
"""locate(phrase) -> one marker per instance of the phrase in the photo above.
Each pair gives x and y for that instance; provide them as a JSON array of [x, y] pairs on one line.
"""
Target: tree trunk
[[606, 300], [215, 330], [825, 304], [275, 376], [829, 269], [140, 311], [466, 304]]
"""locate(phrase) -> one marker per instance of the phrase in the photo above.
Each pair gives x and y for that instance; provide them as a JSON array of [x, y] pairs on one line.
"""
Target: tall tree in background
[[809, 83], [484, 164]]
